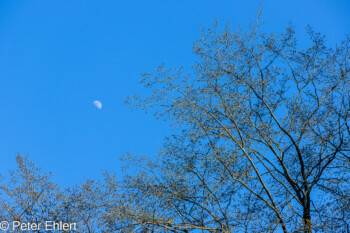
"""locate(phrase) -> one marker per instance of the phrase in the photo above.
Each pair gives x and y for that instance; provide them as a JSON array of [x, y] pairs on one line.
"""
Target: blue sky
[[57, 57]]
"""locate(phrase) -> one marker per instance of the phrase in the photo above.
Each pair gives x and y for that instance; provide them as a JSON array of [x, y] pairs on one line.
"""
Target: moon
[[97, 104]]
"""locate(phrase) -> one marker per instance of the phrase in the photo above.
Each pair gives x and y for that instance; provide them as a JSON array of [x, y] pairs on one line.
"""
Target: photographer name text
[[33, 226]]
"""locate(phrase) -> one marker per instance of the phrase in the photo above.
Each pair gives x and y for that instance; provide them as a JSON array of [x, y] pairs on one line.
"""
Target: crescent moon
[[98, 104]]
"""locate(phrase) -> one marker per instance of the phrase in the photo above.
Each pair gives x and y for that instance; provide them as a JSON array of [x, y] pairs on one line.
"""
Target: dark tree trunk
[[307, 215]]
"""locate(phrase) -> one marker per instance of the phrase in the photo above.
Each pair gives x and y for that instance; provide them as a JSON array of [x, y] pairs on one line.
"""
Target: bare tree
[[28, 195], [265, 137], [262, 145], [80, 204]]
